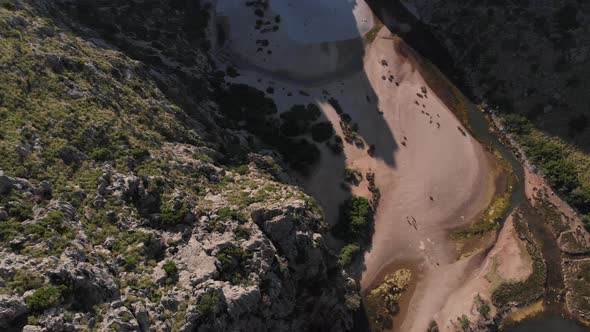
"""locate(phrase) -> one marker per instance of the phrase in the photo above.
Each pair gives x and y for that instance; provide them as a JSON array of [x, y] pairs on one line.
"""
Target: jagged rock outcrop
[[124, 204], [11, 308]]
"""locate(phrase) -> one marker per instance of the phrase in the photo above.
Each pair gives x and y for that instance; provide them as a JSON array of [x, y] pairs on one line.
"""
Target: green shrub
[[171, 215], [44, 298], [336, 105], [139, 154], [23, 281], [565, 18], [21, 212], [130, 239], [517, 124], [353, 176], [464, 321], [347, 254], [227, 213], [527, 290], [559, 164], [207, 304], [298, 119], [322, 131], [337, 145], [170, 268], [233, 264], [242, 169], [101, 154], [355, 219], [130, 261], [8, 4], [586, 221], [242, 233], [53, 227], [482, 306], [232, 72]]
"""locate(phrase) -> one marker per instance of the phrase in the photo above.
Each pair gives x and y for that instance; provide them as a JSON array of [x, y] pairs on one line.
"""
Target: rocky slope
[[125, 204]]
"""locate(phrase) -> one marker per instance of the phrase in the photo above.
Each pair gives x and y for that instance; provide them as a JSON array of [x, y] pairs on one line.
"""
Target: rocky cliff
[[126, 202]]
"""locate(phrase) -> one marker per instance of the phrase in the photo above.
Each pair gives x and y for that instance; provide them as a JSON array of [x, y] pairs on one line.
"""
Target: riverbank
[[571, 242]]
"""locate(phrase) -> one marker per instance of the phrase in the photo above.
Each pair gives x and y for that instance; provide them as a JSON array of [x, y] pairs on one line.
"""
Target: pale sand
[[507, 261], [439, 162]]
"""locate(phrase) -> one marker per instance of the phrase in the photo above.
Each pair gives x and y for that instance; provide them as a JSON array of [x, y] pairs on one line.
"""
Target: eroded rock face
[[147, 226], [11, 308]]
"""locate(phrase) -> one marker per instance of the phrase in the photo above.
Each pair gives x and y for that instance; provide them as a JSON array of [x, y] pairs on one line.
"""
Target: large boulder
[[11, 308]]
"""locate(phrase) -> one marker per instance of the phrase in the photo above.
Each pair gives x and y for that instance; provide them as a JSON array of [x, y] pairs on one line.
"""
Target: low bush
[[139, 154], [347, 254], [251, 110], [170, 268], [23, 281], [242, 233], [355, 220], [233, 264], [207, 303], [172, 215], [297, 121], [227, 213], [322, 131], [101, 154], [44, 298], [353, 176], [8, 4]]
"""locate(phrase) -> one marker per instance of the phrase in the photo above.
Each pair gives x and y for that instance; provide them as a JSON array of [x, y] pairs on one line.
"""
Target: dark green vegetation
[[297, 121], [207, 304], [23, 281], [355, 227], [322, 131], [45, 297], [170, 268], [353, 176], [565, 168], [38, 234], [482, 306], [112, 148], [250, 109], [349, 128], [71, 101], [347, 254], [522, 292], [233, 263], [67, 110]]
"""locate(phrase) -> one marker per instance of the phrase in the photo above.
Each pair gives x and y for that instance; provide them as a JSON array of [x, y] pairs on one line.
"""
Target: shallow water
[[548, 324], [313, 21]]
